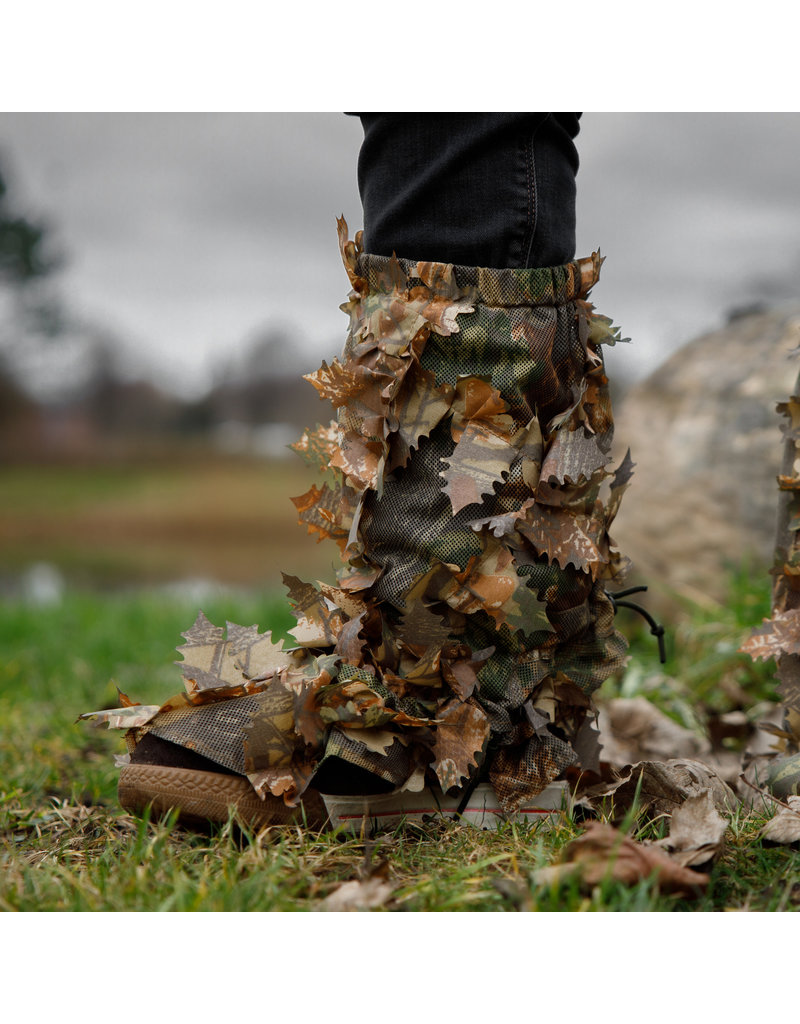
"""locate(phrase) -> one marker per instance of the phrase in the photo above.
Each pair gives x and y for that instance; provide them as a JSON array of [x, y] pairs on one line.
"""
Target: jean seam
[[530, 213], [533, 191]]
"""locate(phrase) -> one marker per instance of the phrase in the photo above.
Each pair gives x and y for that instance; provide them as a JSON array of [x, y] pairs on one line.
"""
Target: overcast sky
[[188, 234]]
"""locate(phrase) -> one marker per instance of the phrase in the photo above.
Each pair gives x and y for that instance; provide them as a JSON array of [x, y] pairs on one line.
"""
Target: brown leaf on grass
[[696, 831], [774, 637], [662, 787], [603, 852], [784, 828], [461, 733], [357, 894], [634, 729]]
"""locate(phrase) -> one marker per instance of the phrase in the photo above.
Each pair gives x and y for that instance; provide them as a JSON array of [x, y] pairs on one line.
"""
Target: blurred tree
[[22, 244]]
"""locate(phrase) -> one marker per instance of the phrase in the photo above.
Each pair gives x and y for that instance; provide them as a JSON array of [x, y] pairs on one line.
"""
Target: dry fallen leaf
[[784, 828], [634, 730], [662, 787], [603, 852], [696, 831], [358, 895]]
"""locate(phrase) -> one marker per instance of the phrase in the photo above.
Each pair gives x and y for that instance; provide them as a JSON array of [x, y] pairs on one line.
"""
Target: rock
[[706, 440]]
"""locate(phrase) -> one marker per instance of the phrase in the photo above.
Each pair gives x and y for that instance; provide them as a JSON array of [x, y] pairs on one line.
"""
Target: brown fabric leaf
[[317, 446], [563, 538], [776, 636], [446, 300], [461, 732], [791, 410], [479, 461], [420, 405], [214, 665], [519, 773], [573, 455]]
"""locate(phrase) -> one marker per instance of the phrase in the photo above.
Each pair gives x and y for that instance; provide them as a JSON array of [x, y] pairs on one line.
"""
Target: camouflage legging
[[468, 626]]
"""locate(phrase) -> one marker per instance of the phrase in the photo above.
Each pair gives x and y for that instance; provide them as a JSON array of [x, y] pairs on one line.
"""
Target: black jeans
[[488, 190]]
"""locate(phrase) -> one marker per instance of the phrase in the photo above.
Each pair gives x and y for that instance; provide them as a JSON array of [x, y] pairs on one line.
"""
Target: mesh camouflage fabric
[[468, 626]]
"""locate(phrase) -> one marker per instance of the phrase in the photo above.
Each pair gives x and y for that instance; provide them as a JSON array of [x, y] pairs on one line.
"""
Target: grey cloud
[[188, 232]]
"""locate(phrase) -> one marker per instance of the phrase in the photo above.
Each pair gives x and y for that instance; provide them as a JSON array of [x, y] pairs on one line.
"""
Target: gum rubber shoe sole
[[208, 796]]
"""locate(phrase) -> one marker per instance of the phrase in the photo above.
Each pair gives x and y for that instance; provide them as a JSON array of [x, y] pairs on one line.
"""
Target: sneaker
[[164, 776], [368, 813]]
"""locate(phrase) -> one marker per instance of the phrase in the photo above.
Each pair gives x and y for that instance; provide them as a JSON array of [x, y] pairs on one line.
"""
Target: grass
[[64, 845]]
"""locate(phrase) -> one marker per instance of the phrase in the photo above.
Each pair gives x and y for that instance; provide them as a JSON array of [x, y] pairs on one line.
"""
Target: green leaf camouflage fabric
[[465, 480]]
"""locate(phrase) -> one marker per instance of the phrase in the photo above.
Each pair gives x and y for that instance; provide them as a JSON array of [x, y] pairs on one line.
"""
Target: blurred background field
[[191, 517]]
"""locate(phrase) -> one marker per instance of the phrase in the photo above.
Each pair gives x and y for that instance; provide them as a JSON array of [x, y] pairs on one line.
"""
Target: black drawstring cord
[[656, 630]]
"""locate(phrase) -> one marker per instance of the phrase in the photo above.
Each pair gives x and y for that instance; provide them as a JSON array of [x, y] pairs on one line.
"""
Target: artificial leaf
[[350, 641], [479, 461], [354, 579], [128, 717], [775, 637], [287, 781], [573, 455], [520, 772], [379, 741], [486, 583], [460, 669], [214, 664], [317, 446], [320, 511], [419, 407], [446, 299], [338, 383], [270, 737], [461, 732], [564, 538], [504, 524], [318, 625], [791, 410], [622, 478]]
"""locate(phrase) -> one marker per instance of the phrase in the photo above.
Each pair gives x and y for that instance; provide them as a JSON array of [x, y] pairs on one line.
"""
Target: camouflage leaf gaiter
[[462, 481]]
